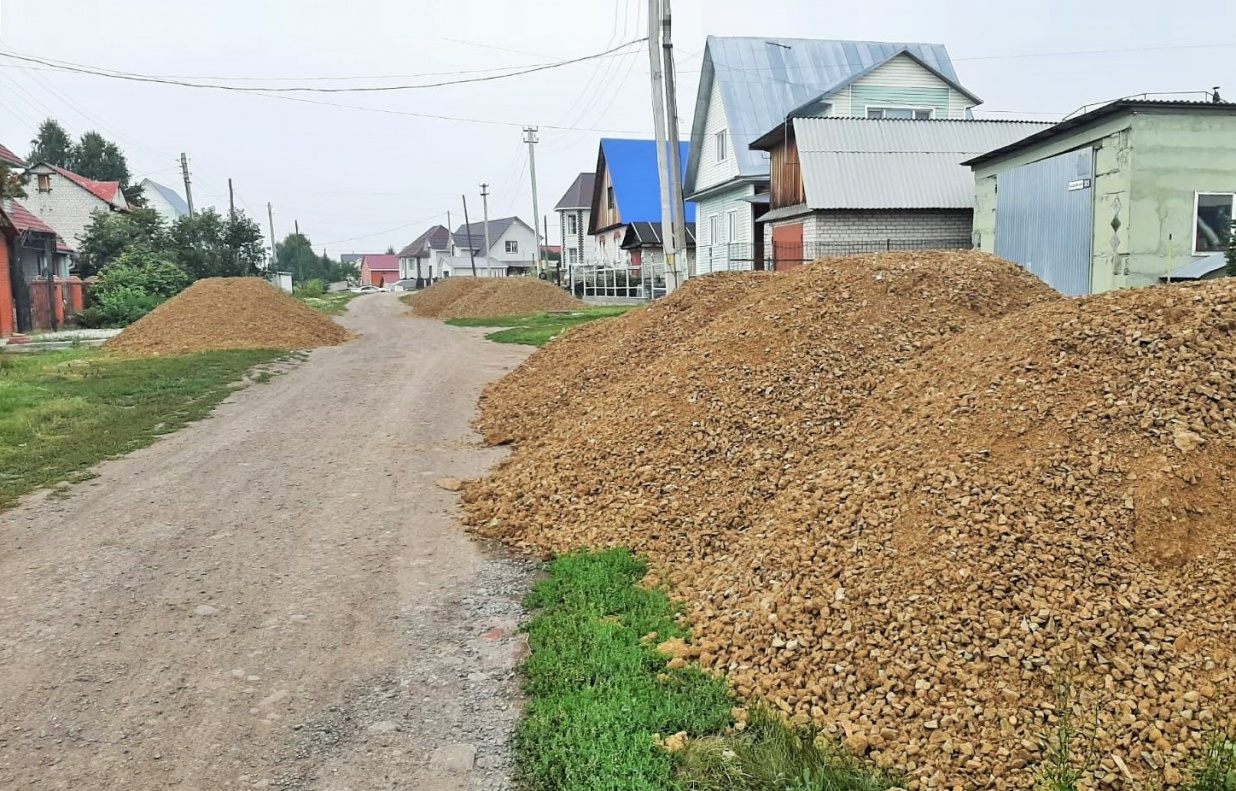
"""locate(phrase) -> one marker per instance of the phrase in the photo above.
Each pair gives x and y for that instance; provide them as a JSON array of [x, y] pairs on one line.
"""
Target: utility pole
[[296, 225], [231, 201], [468, 232], [270, 215], [184, 169], [531, 139], [658, 123], [677, 205], [485, 219]]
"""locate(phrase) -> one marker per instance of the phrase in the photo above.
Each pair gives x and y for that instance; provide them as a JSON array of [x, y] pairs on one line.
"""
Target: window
[[909, 113], [45, 183], [573, 255], [572, 224], [714, 230], [609, 198], [731, 225], [1212, 214], [723, 145], [512, 246]]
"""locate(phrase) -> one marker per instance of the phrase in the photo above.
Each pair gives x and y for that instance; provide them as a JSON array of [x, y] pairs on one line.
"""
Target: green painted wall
[[861, 96]]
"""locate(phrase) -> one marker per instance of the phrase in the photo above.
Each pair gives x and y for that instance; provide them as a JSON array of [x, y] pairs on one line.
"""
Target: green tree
[[110, 235], [295, 254], [12, 185], [210, 245], [133, 285], [98, 158], [51, 145]]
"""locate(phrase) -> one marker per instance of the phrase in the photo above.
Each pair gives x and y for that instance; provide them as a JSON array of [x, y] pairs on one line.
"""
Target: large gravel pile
[[912, 495], [229, 313], [482, 298]]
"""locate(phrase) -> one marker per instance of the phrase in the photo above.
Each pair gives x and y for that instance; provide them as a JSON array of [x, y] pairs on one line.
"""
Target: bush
[[132, 286], [312, 288]]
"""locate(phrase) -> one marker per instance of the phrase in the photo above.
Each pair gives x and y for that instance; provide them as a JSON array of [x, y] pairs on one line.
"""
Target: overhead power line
[[78, 68]]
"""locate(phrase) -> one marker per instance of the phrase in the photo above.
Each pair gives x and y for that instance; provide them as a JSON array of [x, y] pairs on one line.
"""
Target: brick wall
[[67, 207], [7, 314], [877, 226]]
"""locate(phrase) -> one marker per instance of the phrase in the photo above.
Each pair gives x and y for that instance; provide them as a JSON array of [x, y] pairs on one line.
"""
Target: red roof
[[24, 220], [104, 190], [9, 158], [382, 263]]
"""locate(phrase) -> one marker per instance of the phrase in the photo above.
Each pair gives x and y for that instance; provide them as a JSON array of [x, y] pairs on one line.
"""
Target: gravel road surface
[[278, 596]]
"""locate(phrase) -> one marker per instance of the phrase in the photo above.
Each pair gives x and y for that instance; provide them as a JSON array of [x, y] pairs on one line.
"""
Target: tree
[[98, 158], [295, 254], [52, 145], [210, 245], [110, 235], [390, 250], [133, 285], [12, 185]]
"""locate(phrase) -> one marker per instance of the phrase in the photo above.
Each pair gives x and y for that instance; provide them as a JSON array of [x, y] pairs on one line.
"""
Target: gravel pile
[[228, 313], [908, 496], [483, 298]]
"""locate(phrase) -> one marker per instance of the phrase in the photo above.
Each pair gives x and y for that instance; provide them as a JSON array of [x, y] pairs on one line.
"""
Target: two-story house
[[424, 260], [574, 212], [164, 200], [626, 195], [512, 249], [67, 201], [748, 86]]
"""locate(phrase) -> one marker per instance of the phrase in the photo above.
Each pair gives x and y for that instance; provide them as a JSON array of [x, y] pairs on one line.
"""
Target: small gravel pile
[[907, 496], [229, 313], [483, 298]]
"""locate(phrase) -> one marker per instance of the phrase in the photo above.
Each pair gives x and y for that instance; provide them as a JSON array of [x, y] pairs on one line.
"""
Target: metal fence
[[615, 281]]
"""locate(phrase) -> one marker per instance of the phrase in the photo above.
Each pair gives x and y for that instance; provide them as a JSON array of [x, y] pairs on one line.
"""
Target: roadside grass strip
[[538, 329], [334, 303], [606, 712], [63, 412]]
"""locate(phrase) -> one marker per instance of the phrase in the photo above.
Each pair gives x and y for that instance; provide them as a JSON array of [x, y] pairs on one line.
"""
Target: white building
[[748, 86], [512, 249], [165, 200], [426, 258], [67, 202], [578, 246]]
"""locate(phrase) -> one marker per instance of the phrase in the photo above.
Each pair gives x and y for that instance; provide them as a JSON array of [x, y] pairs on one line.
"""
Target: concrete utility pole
[[231, 201], [296, 225], [531, 139], [468, 233], [270, 215], [184, 169], [658, 124], [677, 205], [485, 219]]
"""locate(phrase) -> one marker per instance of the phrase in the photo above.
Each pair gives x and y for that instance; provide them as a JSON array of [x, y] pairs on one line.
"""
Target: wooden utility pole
[[468, 233], [485, 219], [184, 169], [658, 123]]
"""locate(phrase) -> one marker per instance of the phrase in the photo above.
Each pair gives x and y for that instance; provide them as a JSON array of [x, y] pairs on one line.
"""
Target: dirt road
[[277, 596]]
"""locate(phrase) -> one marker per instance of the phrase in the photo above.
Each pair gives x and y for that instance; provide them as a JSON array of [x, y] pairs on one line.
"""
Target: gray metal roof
[[579, 194], [474, 234], [170, 195], [1196, 270], [862, 163], [762, 80]]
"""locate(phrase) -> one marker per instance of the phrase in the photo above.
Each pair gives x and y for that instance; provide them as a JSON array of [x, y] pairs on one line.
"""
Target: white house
[[578, 246], [165, 200], [512, 251], [67, 201], [750, 85], [426, 258]]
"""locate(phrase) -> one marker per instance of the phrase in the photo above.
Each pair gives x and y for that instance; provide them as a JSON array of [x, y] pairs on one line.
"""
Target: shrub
[[133, 285], [312, 288]]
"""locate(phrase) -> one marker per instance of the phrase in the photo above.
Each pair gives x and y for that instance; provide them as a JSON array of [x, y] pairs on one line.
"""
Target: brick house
[[67, 201], [379, 270], [847, 186], [36, 289]]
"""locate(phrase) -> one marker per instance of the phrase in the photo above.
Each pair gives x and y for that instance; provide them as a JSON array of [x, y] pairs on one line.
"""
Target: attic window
[[609, 198], [723, 146], [907, 113], [45, 183]]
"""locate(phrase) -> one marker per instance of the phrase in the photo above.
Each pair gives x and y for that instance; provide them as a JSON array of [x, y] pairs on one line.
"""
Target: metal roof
[[761, 80], [1196, 270], [436, 238], [1096, 116], [9, 158], [579, 195], [632, 168], [863, 163], [25, 220], [381, 263], [648, 234], [474, 233], [170, 195]]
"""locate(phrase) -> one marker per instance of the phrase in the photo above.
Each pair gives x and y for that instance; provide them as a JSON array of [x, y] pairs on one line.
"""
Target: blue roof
[[637, 187], [762, 80], [169, 195]]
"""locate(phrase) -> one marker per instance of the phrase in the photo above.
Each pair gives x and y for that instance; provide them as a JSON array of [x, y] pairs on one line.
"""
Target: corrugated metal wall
[[1045, 219]]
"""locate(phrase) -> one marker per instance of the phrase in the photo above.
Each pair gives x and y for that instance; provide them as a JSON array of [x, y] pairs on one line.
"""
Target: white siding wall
[[958, 104], [710, 170], [588, 252], [525, 239], [719, 255], [67, 208], [901, 72]]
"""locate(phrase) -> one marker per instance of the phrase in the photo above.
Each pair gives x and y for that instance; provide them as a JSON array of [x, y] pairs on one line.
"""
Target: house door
[[787, 247]]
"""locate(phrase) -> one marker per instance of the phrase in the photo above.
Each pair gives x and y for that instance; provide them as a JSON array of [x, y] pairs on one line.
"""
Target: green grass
[[538, 329], [63, 412], [598, 694], [334, 303], [1215, 770]]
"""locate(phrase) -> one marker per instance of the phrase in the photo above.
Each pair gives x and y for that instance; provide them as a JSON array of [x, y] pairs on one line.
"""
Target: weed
[[538, 329], [263, 377], [1216, 769], [1064, 769], [334, 303]]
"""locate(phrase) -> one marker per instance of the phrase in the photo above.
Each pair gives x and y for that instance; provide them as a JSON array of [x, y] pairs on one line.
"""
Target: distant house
[[574, 211], [67, 201], [165, 200], [845, 186], [424, 260], [379, 270], [750, 85], [36, 291], [512, 249], [1116, 197], [627, 190]]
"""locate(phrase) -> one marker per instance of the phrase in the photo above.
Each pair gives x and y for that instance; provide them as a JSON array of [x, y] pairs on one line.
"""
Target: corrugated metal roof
[[861, 163], [762, 80], [648, 234], [103, 190], [436, 238], [474, 234], [579, 195], [25, 220], [170, 195], [9, 158], [1196, 270], [632, 168], [381, 263]]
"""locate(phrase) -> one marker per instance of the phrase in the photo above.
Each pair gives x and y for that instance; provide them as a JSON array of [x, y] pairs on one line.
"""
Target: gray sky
[[359, 180]]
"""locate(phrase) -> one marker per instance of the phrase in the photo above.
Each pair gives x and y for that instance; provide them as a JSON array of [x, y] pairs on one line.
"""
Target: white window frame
[[512, 246], [721, 140], [731, 226], [1197, 200], [931, 111], [572, 222], [573, 255], [714, 226]]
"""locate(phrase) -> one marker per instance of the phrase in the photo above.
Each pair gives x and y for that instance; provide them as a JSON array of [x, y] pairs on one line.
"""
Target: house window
[[45, 183], [572, 224], [731, 225], [573, 255], [723, 145], [512, 246], [714, 230], [908, 113], [609, 198], [1212, 221]]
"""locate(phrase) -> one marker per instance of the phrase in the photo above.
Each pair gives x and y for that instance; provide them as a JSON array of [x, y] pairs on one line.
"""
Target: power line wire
[[388, 230]]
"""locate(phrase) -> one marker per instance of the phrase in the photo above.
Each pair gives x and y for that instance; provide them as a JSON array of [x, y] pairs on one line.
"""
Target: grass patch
[[538, 329], [599, 692], [63, 412], [1216, 769], [334, 303]]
